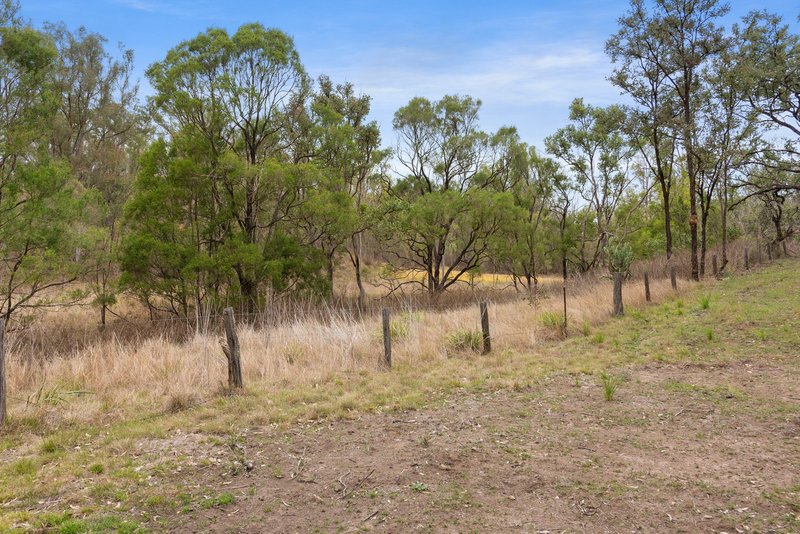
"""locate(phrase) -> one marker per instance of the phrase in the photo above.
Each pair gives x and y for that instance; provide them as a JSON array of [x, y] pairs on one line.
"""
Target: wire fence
[[48, 339]]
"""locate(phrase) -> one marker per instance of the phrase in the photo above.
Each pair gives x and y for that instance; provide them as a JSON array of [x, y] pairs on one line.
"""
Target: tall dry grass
[[110, 376]]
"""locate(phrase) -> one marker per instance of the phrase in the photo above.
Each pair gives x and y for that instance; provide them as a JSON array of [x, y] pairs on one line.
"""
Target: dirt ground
[[680, 448]]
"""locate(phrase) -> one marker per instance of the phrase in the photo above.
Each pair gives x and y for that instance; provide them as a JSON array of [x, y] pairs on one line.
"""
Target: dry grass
[[114, 378], [111, 375]]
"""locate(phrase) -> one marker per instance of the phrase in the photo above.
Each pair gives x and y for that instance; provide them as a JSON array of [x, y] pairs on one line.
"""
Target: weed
[[419, 487], [23, 467], [551, 319], [585, 329], [465, 340], [97, 469], [599, 338], [705, 302], [710, 334], [51, 445], [223, 499], [610, 384]]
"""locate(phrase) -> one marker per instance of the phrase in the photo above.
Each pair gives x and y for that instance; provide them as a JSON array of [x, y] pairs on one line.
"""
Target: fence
[[482, 338]]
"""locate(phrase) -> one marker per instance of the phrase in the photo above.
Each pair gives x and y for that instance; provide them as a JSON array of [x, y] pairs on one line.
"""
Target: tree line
[[242, 178]]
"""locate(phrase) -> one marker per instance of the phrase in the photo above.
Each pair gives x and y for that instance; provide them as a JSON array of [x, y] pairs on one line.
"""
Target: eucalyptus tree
[[767, 65], [447, 213], [676, 39], [348, 146], [638, 57], [595, 151], [39, 201], [727, 137], [228, 104], [99, 130], [533, 194]]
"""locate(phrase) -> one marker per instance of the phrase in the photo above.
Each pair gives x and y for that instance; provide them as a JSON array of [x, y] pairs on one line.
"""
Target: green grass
[[610, 384], [465, 340], [752, 317]]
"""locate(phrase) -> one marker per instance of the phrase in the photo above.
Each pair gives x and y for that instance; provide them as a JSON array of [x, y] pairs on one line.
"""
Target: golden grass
[[106, 377], [112, 379]]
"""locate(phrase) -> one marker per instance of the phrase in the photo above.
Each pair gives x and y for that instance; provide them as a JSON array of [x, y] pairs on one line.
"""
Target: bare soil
[[680, 448]]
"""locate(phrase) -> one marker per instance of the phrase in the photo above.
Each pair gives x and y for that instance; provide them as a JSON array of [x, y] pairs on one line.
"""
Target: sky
[[525, 60]]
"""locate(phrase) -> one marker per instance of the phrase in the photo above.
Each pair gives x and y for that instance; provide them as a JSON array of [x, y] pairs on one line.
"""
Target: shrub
[[610, 384], [465, 340], [620, 257], [551, 319]]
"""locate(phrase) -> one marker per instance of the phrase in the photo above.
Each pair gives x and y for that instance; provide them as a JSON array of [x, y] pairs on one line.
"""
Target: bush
[[610, 384], [551, 319], [620, 257], [465, 340]]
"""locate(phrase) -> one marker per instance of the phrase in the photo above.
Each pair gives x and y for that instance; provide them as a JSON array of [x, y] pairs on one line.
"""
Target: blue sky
[[526, 60]]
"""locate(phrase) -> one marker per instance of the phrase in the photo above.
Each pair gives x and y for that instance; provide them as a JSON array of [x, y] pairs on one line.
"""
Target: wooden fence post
[[232, 351], [646, 287], [714, 266], [387, 338], [487, 339], [746, 259], [618, 308], [673, 278], [2, 371]]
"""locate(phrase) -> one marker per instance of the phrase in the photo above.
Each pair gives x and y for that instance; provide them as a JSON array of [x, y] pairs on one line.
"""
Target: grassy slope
[[80, 479]]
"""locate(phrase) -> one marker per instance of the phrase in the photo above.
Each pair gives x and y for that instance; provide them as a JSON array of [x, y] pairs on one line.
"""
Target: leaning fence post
[[673, 278], [232, 351], [714, 266], [387, 338], [746, 259], [646, 287], [487, 339], [618, 308], [2, 371]]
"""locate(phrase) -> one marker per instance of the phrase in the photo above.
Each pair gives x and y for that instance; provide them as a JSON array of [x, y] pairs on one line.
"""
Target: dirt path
[[680, 449]]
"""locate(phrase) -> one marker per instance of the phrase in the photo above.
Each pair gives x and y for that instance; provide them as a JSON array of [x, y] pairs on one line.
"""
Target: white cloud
[[530, 85]]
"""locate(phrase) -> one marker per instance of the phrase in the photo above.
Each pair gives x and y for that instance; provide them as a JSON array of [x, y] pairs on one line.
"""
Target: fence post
[[232, 351], [387, 338], [618, 308], [746, 259], [646, 287], [714, 266], [487, 340], [2, 371], [673, 278]]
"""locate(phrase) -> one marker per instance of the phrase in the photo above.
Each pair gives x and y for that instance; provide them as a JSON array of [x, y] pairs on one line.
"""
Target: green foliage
[[551, 319], [610, 384], [705, 302], [471, 340], [419, 487], [620, 257]]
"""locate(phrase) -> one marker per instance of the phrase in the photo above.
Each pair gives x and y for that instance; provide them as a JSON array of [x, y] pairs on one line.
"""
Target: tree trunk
[[362, 294], [618, 307], [691, 169], [703, 240], [724, 221], [667, 219]]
